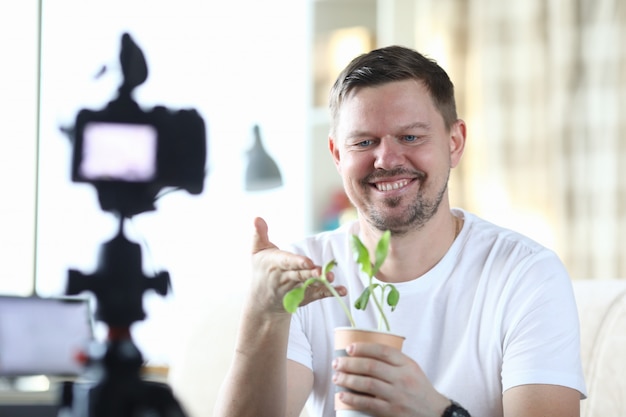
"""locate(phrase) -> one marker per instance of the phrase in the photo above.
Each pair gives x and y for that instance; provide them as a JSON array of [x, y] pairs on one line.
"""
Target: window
[[224, 60]]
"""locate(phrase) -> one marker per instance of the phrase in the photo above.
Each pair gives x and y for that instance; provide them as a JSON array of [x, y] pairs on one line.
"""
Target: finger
[[366, 402], [318, 291], [380, 352], [358, 385], [296, 275], [260, 239], [364, 392]]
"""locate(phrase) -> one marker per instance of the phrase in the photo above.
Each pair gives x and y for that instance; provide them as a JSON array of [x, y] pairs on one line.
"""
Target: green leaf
[[293, 298], [393, 297], [330, 265], [361, 255], [361, 302], [382, 248]]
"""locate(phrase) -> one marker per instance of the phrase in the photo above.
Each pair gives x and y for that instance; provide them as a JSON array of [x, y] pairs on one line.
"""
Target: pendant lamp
[[262, 172]]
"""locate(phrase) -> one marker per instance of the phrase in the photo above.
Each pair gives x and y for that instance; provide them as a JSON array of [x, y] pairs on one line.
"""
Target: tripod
[[173, 148], [112, 385]]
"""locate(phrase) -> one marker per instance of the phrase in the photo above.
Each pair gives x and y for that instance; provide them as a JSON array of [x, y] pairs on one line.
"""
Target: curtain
[[542, 86]]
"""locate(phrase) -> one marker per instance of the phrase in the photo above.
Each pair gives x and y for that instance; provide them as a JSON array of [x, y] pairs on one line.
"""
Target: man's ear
[[334, 151], [458, 136]]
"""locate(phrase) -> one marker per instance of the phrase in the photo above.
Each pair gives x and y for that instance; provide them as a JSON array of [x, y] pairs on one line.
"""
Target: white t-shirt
[[496, 312]]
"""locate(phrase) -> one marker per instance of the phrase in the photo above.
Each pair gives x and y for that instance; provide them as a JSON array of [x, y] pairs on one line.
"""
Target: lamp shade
[[262, 172]]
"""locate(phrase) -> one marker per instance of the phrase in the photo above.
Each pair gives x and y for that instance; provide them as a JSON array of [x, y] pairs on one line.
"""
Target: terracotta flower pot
[[346, 335]]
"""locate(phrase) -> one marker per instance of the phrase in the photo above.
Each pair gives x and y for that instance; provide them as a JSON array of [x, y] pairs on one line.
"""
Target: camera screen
[[119, 152], [43, 335]]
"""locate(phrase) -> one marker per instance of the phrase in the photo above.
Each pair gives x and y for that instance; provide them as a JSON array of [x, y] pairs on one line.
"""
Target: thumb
[[260, 240]]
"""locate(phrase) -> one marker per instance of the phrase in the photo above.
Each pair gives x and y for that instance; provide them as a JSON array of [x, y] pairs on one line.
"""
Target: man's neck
[[413, 254]]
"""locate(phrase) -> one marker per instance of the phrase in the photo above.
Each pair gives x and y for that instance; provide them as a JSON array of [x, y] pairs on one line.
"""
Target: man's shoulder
[[490, 232], [506, 251]]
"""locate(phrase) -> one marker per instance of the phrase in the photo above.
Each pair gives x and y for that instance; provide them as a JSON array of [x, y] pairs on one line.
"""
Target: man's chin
[[397, 224], [392, 203]]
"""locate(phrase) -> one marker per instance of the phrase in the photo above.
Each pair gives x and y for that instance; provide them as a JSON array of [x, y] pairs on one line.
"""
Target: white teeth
[[387, 186]]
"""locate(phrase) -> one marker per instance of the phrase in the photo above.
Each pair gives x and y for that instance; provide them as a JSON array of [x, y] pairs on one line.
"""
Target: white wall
[[18, 135], [238, 63]]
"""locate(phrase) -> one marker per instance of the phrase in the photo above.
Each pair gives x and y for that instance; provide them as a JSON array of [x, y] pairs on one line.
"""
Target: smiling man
[[489, 315]]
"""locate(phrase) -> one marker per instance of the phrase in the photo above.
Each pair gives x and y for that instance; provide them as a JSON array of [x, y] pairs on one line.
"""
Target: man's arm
[[256, 382], [300, 384], [398, 387], [541, 400], [261, 381]]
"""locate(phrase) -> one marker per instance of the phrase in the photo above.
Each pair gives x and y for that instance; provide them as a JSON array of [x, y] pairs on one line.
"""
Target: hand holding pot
[[276, 271], [385, 382]]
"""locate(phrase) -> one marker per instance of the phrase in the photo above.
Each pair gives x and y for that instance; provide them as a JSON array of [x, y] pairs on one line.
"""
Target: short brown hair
[[394, 63]]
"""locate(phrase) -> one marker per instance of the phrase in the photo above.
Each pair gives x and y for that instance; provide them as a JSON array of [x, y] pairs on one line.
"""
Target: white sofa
[[602, 307], [602, 310]]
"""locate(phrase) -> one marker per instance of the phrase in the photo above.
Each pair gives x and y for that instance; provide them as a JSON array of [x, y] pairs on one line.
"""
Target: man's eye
[[364, 143], [410, 138]]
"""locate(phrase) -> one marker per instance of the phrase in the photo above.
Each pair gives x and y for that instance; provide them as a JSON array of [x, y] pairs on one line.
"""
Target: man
[[489, 315]]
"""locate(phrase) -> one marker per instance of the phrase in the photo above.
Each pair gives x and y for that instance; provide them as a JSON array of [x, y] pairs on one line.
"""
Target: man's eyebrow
[[417, 125], [364, 133], [358, 134]]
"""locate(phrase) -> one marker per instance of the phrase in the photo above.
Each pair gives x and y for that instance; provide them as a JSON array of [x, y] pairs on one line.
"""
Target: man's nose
[[389, 154]]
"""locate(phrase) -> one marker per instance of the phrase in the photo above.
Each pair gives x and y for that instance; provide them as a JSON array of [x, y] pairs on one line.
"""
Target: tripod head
[[129, 155], [119, 282]]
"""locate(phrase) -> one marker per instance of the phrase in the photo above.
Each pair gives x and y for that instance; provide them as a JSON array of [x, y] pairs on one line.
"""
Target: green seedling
[[293, 298], [377, 292]]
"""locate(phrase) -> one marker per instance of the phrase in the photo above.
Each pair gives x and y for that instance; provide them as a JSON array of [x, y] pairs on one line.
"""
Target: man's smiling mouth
[[388, 186]]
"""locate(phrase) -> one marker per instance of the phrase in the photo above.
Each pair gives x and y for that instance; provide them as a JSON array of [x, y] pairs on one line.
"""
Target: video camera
[[129, 155]]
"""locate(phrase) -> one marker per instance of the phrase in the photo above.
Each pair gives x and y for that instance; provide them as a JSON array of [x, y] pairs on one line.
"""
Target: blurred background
[[540, 83], [542, 87]]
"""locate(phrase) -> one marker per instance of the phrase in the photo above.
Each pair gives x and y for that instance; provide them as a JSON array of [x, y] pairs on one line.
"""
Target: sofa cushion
[[602, 310]]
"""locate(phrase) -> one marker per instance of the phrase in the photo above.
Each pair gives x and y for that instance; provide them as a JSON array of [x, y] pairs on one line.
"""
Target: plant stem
[[379, 305], [341, 303]]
